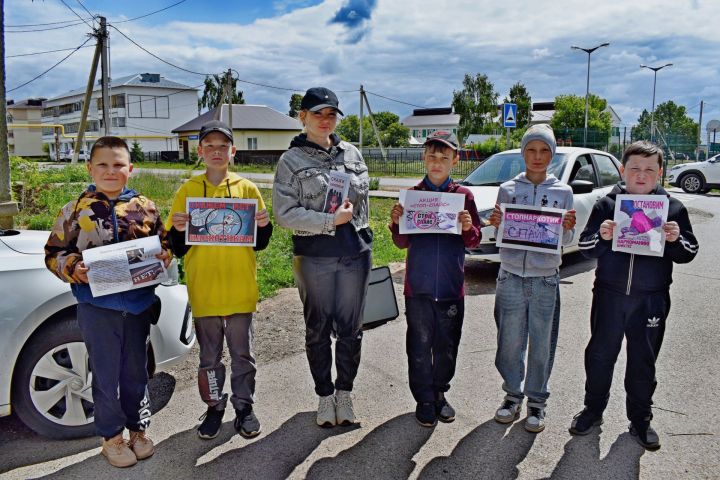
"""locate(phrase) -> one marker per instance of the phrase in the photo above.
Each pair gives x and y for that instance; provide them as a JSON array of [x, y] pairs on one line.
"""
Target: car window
[[502, 167], [607, 170], [583, 169]]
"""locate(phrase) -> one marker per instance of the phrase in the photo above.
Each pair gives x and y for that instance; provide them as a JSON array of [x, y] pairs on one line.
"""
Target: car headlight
[[173, 276]]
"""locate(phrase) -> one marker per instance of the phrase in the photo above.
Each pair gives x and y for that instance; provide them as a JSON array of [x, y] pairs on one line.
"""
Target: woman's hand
[[344, 212]]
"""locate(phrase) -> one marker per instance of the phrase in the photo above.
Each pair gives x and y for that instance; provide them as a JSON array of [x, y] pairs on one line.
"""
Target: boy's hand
[[496, 216], [165, 256], [569, 220], [606, 229], [465, 220], [396, 213], [344, 212], [179, 221], [672, 231], [262, 218], [80, 273]]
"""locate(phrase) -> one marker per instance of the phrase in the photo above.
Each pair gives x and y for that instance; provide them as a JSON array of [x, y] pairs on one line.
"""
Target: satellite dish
[[713, 125]]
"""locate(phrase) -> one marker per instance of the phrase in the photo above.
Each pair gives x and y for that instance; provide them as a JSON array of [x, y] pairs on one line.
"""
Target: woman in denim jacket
[[332, 251]]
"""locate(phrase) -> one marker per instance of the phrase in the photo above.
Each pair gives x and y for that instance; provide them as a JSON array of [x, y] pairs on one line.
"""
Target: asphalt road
[[389, 444]]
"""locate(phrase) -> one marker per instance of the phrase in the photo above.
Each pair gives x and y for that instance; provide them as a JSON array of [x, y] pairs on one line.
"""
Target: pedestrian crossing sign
[[509, 115]]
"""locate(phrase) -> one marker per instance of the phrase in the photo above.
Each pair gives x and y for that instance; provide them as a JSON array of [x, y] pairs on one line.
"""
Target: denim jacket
[[301, 184]]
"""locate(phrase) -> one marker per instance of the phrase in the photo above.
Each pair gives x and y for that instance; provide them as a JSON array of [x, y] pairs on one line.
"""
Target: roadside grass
[[46, 193]]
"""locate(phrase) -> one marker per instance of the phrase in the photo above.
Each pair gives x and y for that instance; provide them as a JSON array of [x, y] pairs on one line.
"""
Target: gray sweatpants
[[237, 330]]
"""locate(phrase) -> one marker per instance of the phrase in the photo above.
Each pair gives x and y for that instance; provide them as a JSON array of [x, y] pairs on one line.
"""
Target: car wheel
[[691, 183], [52, 383]]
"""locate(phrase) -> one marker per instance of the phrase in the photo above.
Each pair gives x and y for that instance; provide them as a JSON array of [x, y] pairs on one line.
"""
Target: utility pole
[[8, 208], [697, 150], [102, 36], [362, 95], [88, 96], [230, 93], [372, 120]]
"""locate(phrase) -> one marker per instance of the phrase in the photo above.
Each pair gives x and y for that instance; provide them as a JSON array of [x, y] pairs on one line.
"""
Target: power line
[[76, 14], [40, 24], [84, 8], [46, 29], [393, 99], [46, 71], [47, 51], [151, 13]]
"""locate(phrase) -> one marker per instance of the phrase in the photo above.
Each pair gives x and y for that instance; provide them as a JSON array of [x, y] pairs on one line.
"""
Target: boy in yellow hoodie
[[222, 285]]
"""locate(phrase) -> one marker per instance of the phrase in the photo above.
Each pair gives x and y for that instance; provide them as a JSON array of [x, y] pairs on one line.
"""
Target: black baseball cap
[[317, 98], [216, 126], [444, 137]]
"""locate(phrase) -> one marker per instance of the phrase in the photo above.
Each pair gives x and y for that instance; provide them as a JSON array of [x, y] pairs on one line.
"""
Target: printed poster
[[338, 189], [638, 224], [123, 266], [221, 221], [536, 229], [430, 212]]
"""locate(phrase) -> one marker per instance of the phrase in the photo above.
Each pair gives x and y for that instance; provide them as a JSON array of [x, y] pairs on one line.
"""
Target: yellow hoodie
[[220, 280]]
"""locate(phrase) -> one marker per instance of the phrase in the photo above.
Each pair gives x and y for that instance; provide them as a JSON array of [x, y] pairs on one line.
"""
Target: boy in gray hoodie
[[527, 298]]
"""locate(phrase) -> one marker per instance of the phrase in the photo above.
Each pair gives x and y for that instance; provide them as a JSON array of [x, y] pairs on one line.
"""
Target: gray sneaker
[[326, 411], [246, 422], [344, 411], [535, 420], [508, 412]]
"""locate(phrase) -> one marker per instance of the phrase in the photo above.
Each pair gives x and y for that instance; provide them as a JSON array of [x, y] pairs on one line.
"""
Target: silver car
[[45, 374], [590, 173]]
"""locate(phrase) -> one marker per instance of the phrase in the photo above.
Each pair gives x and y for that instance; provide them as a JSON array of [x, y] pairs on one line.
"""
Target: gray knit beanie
[[541, 132]]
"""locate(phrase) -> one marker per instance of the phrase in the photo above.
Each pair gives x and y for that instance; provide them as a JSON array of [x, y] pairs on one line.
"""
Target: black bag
[[380, 303]]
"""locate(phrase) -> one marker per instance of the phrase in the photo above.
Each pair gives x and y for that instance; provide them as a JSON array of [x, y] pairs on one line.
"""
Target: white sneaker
[[326, 411], [508, 412], [535, 420], [344, 411]]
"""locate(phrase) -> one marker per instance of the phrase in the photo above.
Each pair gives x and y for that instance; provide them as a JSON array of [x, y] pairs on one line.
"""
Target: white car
[[696, 177], [590, 173], [45, 374]]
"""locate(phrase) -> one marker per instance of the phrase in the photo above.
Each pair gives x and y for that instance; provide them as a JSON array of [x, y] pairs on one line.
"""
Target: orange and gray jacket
[[91, 221]]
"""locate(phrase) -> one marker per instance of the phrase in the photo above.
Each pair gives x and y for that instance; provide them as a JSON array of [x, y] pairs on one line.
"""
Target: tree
[[672, 121], [392, 133], [136, 153], [214, 92], [520, 96], [476, 104], [295, 108]]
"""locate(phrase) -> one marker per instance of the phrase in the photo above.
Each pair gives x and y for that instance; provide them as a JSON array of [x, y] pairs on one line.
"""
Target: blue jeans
[[527, 315]]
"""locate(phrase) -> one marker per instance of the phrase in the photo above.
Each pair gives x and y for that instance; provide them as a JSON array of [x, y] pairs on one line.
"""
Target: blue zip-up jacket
[[93, 220], [435, 263]]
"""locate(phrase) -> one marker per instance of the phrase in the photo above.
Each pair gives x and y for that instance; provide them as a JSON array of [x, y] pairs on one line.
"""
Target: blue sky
[[413, 51]]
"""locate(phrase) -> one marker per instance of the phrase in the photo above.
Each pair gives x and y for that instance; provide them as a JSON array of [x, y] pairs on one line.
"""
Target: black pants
[[332, 290], [117, 346], [641, 320], [433, 338]]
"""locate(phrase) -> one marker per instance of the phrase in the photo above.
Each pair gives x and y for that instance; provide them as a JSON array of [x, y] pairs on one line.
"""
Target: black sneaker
[[444, 411], [211, 423], [425, 414], [584, 422], [645, 435], [246, 423]]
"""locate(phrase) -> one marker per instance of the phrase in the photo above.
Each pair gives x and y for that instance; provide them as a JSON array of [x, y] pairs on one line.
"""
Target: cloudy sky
[[415, 52]]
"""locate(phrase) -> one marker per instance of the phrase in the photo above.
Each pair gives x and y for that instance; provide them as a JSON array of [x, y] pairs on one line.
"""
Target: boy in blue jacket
[[527, 297], [434, 286]]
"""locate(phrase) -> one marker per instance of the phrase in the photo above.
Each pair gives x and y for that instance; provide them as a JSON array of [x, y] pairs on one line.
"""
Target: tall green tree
[[570, 113], [672, 121], [295, 101], [214, 92], [476, 104], [392, 133], [520, 96]]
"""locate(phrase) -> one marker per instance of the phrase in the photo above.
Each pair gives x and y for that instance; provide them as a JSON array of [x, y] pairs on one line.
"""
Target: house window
[[147, 106], [424, 133], [252, 143], [118, 121]]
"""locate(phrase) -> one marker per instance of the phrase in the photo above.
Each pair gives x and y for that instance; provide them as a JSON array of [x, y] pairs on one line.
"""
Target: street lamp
[[587, 88], [652, 115]]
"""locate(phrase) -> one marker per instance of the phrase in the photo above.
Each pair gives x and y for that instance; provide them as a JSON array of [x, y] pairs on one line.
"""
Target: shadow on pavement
[[581, 459], [384, 453], [28, 448], [574, 264], [489, 451], [273, 456]]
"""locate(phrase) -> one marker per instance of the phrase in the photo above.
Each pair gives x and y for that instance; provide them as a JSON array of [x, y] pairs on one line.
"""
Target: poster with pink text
[[525, 227], [430, 212], [639, 221]]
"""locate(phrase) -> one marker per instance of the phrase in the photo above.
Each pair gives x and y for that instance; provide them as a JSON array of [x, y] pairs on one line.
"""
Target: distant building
[[143, 107], [25, 141], [255, 127], [424, 121]]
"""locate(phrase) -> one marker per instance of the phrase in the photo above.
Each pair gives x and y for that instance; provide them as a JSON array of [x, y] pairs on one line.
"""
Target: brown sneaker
[[117, 452], [141, 445]]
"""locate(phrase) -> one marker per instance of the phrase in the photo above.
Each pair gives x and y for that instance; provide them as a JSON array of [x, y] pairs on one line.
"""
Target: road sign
[[509, 115], [193, 137]]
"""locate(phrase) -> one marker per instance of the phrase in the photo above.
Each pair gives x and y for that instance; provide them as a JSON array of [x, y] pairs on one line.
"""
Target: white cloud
[[538, 53]]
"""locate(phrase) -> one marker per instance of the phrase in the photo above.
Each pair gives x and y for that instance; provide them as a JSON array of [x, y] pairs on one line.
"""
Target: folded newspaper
[[123, 266]]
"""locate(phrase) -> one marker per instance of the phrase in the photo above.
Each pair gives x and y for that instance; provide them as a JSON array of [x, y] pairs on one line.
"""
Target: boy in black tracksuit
[[434, 280], [631, 298]]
